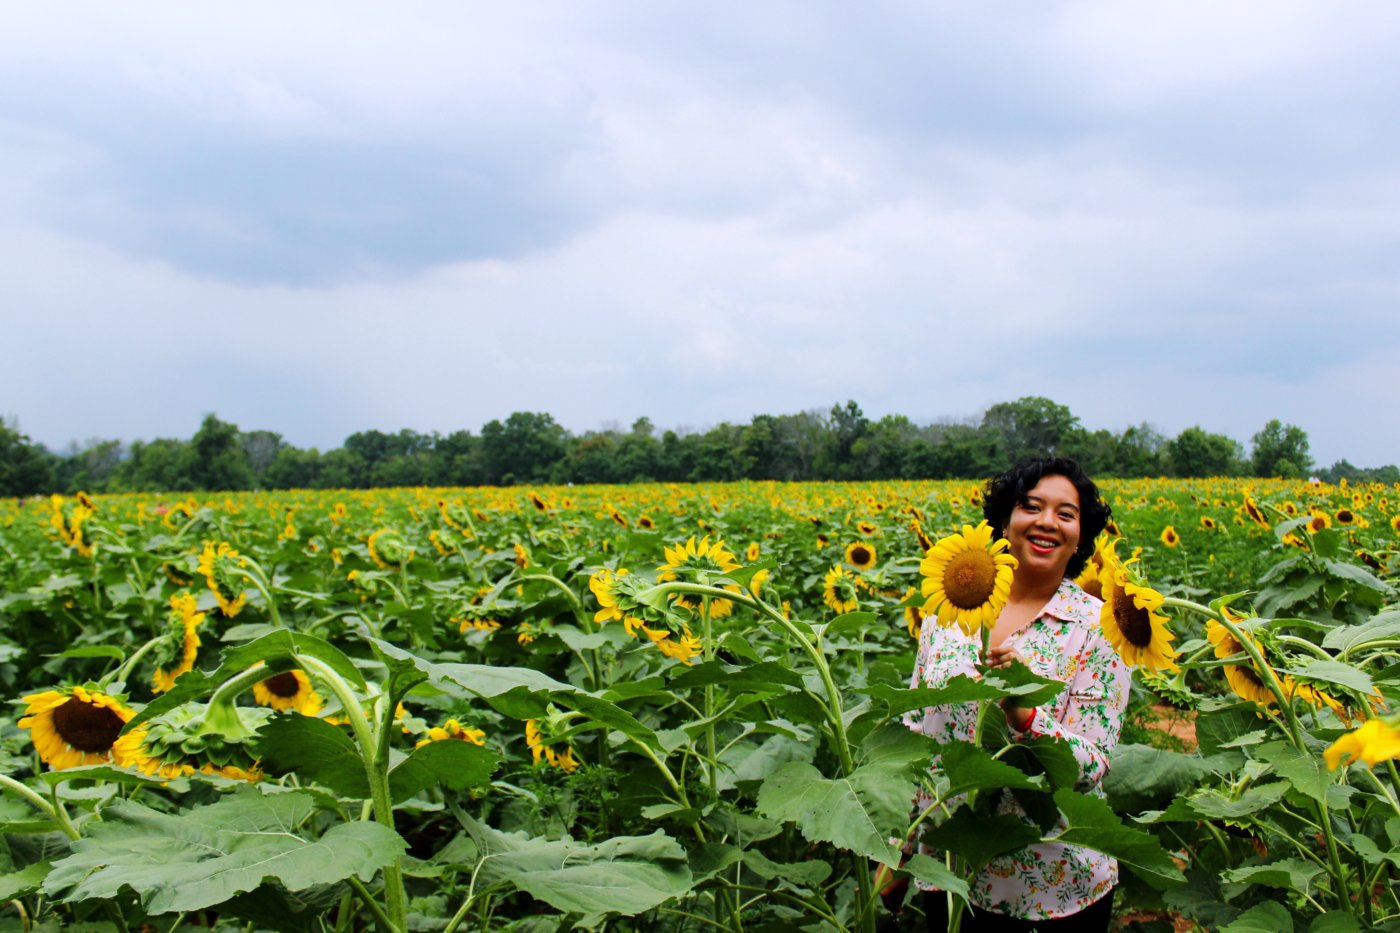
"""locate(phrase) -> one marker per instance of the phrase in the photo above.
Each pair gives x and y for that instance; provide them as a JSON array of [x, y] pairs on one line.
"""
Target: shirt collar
[[1072, 604]]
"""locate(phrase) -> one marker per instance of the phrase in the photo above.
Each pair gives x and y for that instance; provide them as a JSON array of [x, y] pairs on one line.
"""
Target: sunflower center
[[1134, 623], [859, 556], [970, 578], [85, 727], [283, 685]]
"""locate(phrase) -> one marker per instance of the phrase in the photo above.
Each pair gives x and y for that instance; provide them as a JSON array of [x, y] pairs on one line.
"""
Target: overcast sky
[[323, 217]]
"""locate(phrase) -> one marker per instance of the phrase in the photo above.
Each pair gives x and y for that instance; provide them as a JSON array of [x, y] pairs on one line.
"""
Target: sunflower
[[602, 586], [920, 535], [548, 751], [1320, 520], [1375, 741], [1256, 514], [1130, 619], [681, 646], [388, 550], [1395, 523], [131, 751], [822, 541], [1169, 536], [522, 558], [73, 726], [839, 590], [1088, 579], [540, 504], [452, 730], [1345, 517], [867, 529], [860, 555], [751, 554], [1207, 523], [967, 578], [646, 522], [288, 690], [182, 624], [1245, 681], [702, 560], [217, 564], [913, 615]]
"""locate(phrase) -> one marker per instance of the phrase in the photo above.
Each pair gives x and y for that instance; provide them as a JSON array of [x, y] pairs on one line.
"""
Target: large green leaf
[[454, 764], [933, 872], [274, 649], [205, 855], [1268, 917], [482, 680], [315, 751], [764, 677], [1020, 683], [1141, 776], [1292, 874], [1305, 772], [625, 875], [858, 812], [1339, 674], [1089, 822], [980, 838], [971, 768], [1381, 626], [23, 882]]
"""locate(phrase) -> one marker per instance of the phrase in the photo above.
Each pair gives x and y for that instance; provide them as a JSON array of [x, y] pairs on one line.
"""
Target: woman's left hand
[[1017, 716]]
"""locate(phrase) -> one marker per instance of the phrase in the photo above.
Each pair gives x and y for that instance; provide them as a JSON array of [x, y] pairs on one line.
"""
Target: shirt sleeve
[[1093, 717]]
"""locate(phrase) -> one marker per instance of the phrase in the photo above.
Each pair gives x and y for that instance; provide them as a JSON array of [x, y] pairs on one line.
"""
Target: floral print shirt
[[1044, 880]]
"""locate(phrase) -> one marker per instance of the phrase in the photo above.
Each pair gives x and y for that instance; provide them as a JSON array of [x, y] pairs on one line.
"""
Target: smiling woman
[[1048, 515]]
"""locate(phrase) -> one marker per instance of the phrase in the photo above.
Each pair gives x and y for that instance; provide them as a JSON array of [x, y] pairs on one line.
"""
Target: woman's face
[[1044, 530]]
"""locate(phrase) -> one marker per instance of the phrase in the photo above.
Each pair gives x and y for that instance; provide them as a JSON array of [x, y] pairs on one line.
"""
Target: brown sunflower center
[[1094, 587], [970, 578], [1134, 623], [283, 685], [1345, 517], [860, 556], [85, 727]]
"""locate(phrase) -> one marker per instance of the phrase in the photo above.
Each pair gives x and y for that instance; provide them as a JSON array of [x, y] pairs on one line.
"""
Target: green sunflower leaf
[[1090, 822], [315, 751], [624, 875], [1268, 917], [454, 764], [858, 812], [980, 838], [206, 855], [23, 882]]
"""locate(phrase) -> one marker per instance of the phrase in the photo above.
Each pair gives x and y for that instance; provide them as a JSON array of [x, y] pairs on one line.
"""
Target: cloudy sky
[[322, 217]]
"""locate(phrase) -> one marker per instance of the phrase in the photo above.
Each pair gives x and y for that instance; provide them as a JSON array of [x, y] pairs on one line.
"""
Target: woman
[[1051, 514]]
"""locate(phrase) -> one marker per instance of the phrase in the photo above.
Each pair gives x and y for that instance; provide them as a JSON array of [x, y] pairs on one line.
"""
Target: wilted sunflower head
[[388, 549], [177, 650], [1130, 618], [860, 555], [73, 726], [967, 578], [221, 565]]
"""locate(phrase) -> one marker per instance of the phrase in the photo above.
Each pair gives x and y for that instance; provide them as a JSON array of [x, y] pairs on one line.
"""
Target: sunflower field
[[668, 707]]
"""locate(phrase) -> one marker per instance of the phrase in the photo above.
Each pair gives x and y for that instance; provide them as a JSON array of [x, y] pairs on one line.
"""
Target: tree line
[[531, 447]]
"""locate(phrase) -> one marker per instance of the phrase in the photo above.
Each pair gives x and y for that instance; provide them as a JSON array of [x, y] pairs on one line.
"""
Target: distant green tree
[[524, 448], [26, 468], [1140, 451], [1032, 426], [1197, 452], [161, 465], [220, 463], [261, 449], [91, 467], [1281, 450], [293, 468]]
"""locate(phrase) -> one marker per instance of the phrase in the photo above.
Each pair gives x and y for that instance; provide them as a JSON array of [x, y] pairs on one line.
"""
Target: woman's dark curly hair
[[1007, 490]]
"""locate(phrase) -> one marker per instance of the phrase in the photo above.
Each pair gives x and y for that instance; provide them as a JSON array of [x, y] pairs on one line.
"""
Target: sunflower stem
[[376, 772], [1294, 729], [52, 811], [126, 666]]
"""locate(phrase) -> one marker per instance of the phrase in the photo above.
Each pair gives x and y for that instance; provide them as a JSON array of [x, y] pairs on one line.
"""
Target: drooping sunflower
[[540, 749], [73, 726], [1130, 619], [1169, 536], [860, 555], [839, 590], [1247, 683], [682, 646], [1256, 514], [388, 550], [289, 690], [967, 578], [181, 641], [701, 561], [217, 564], [920, 535], [522, 557], [913, 614], [1373, 742], [451, 731], [602, 586]]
